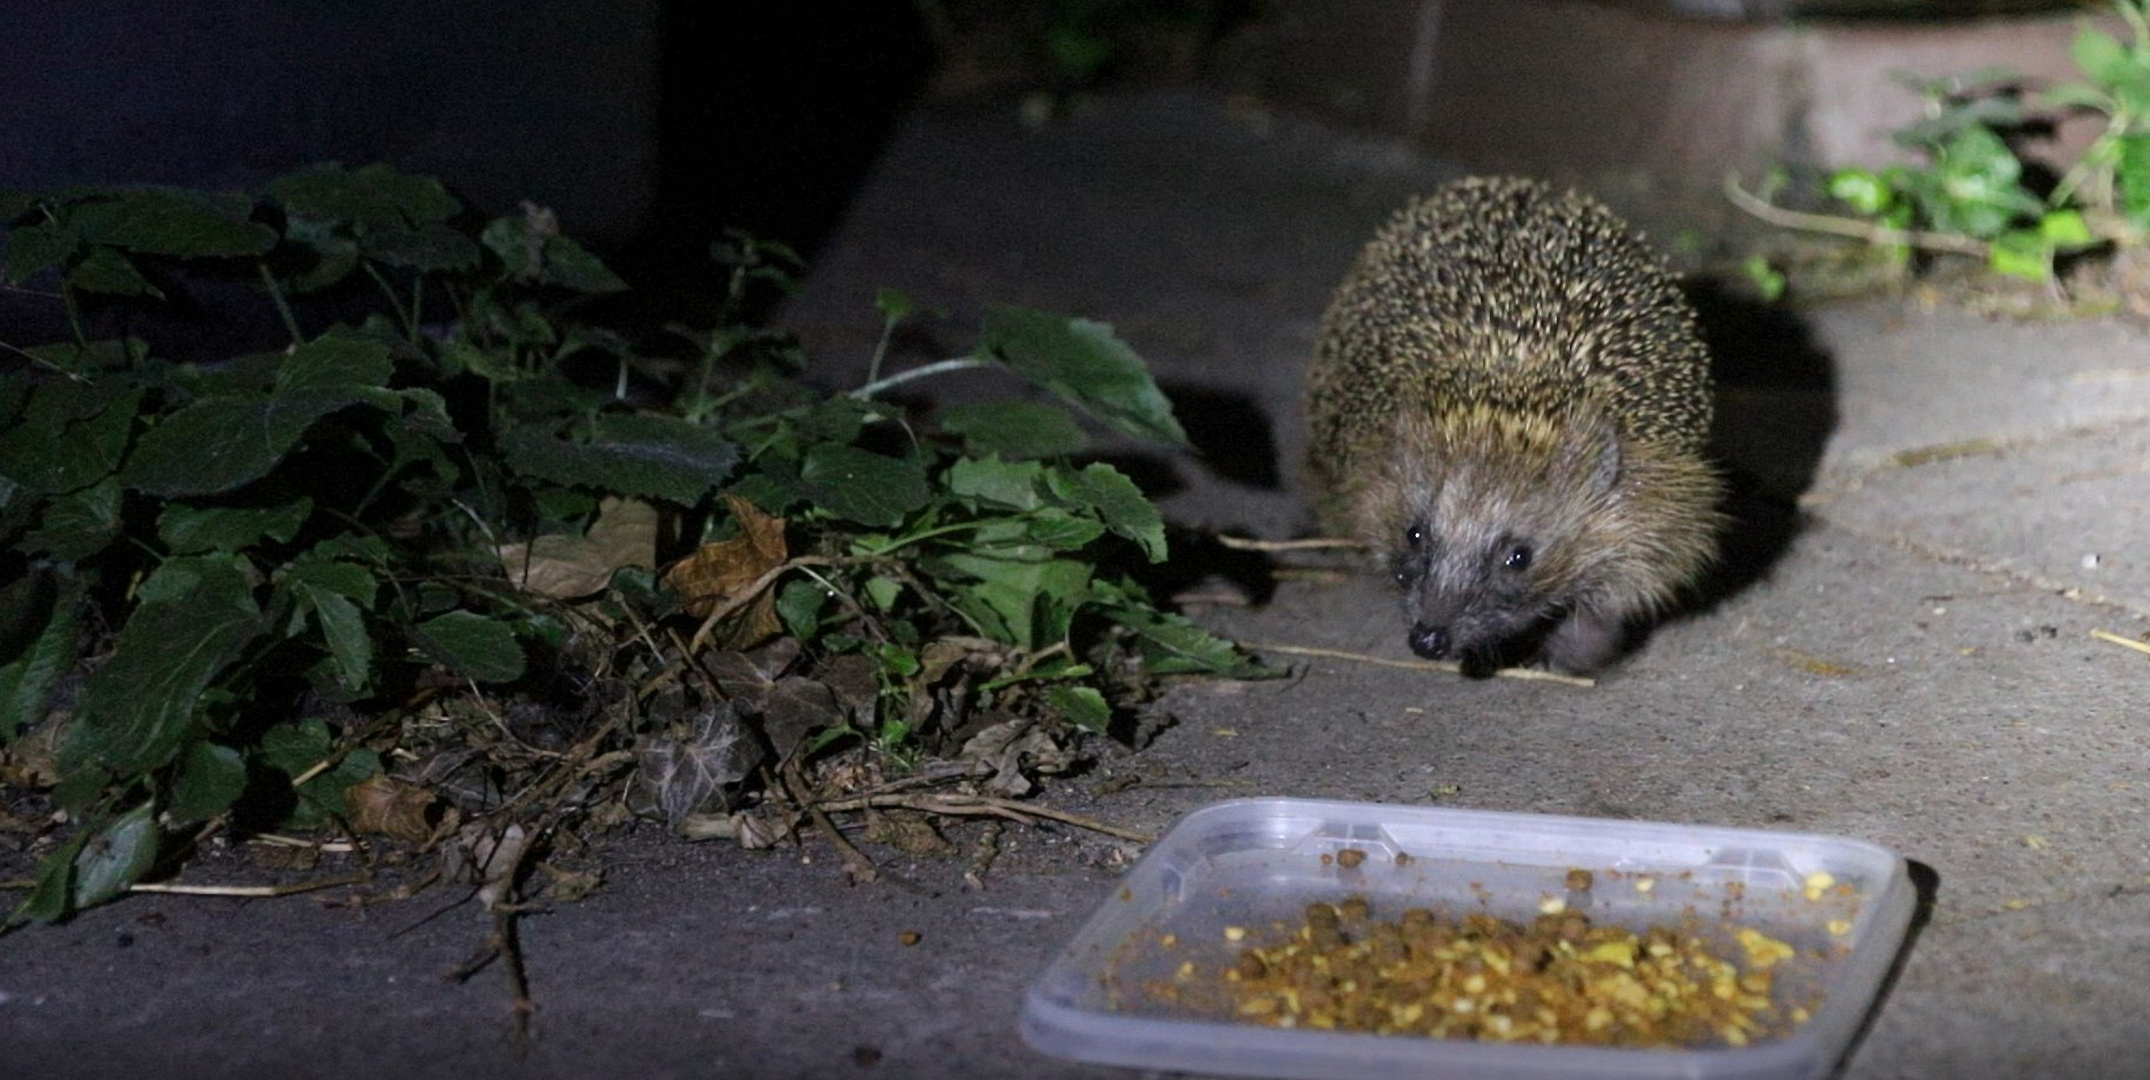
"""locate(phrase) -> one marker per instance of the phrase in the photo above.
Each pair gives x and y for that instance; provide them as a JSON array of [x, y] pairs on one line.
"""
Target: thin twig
[[980, 805], [252, 891], [1317, 543], [744, 596], [1868, 231], [2116, 639], [857, 867], [1535, 674]]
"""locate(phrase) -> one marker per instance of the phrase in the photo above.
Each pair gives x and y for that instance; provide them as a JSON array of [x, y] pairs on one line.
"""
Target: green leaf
[[209, 779], [799, 604], [38, 632], [213, 445], [79, 524], [571, 266], [2065, 230], [990, 480], [72, 435], [2022, 253], [1862, 189], [50, 898], [104, 270], [115, 858], [1084, 364], [2100, 55], [1016, 595], [862, 486], [1081, 706], [2133, 174], [372, 197], [181, 223], [883, 591], [1171, 644], [894, 303], [319, 568], [1062, 531], [432, 247], [187, 530], [31, 248], [343, 627], [1014, 429], [138, 707], [334, 363], [472, 646], [1116, 501], [628, 454]]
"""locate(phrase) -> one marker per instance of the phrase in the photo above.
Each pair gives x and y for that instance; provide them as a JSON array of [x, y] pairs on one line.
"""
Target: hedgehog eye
[[1518, 558], [1414, 536]]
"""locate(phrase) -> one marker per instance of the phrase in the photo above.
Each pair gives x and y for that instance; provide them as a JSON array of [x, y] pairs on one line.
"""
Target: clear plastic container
[[1256, 863]]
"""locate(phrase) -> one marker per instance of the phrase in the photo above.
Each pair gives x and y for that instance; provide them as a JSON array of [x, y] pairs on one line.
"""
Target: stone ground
[[1900, 651]]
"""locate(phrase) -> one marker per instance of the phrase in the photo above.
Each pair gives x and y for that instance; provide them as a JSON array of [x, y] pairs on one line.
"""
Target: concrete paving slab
[[1843, 680]]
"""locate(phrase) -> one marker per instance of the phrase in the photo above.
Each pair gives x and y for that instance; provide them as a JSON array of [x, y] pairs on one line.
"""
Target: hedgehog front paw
[[1583, 642]]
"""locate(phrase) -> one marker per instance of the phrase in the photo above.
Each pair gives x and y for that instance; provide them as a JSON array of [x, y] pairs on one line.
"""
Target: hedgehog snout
[[1431, 642]]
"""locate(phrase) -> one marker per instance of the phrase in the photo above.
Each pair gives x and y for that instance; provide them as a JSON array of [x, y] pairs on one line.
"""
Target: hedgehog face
[[1491, 534]]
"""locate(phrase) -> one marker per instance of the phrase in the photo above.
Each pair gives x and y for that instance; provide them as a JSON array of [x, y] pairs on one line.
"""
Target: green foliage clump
[[1975, 195], [236, 585]]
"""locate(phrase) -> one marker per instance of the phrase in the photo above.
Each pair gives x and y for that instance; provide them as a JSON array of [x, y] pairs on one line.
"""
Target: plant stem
[[403, 314], [283, 307], [1871, 232], [938, 367]]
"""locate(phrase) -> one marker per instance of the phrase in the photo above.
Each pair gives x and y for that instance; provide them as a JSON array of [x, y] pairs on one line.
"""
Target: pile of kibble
[[1557, 979]]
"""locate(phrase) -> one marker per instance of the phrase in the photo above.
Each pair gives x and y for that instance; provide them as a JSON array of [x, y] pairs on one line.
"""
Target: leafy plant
[[463, 521], [1974, 194]]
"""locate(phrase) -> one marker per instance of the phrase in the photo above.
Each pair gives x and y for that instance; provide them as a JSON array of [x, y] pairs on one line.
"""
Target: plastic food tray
[[1256, 863]]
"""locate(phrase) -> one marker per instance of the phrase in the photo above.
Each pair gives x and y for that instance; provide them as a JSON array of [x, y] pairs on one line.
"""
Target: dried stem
[[1535, 674]]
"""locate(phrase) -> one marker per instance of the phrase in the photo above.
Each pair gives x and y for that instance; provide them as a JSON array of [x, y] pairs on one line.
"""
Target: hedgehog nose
[[1430, 642]]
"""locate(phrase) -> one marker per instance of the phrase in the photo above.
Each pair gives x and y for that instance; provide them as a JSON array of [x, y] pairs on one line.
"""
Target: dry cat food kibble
[[1557, 979]]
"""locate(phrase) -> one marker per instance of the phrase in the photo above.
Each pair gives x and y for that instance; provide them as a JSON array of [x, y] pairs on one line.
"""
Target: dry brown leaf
[[716, 571], [566, 567], [391, 807]]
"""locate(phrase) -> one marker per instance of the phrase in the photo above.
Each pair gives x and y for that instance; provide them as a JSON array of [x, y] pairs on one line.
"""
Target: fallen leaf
[[566, 567], [716, 572], [390, 807]]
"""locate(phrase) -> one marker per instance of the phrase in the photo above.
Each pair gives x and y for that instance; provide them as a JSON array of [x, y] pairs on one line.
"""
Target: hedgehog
[[1508, 404]]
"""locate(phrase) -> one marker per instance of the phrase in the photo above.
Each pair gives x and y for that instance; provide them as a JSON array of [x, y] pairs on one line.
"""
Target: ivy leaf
[[138, 707], [181, 223], [1117, 502], [1014, 429], [209, 779], [799, 604], [628, 454], [472, 645], [38, 632], [115, 858], [1084, 364], [859, 485]]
